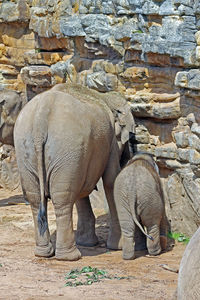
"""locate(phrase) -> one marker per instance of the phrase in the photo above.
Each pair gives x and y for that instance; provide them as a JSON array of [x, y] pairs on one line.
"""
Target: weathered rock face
[[147, 50]]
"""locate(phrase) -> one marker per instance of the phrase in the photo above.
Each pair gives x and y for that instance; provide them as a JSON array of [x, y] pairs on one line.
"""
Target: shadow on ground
[[102, 229], [13, 200]]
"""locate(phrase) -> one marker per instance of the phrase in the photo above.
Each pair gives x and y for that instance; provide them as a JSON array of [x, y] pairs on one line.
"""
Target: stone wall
[[149, 50]]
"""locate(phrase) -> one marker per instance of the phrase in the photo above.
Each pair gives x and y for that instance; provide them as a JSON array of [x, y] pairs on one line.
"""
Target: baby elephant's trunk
[[163, 232]]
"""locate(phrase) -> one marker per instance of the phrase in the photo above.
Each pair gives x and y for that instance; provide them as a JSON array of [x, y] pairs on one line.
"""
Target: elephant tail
[[138, 223], [40, 136], [42, 214]]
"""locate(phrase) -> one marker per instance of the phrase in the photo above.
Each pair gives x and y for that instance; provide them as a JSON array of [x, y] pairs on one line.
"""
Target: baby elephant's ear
[[126, 122]]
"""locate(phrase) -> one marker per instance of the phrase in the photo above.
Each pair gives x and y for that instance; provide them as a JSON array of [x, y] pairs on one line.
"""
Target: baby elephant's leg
[[128, 246], [153, 246], [128, 229]]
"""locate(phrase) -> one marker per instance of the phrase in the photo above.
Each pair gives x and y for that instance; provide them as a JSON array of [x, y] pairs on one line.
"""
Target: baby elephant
[[139, 197]]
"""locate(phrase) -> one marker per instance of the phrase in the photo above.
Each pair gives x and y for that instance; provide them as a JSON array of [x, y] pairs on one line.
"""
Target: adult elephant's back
[[74, 135]]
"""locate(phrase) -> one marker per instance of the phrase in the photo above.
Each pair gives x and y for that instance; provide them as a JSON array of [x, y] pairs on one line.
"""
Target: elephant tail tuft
[[42, 219], [150, 237]]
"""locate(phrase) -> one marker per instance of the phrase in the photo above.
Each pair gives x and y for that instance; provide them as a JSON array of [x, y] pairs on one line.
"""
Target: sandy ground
[[24, 276]]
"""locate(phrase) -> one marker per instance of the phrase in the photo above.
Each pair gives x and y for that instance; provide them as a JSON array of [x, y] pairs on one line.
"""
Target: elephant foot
[[128, 248], [128, 255], [154, 252], [86, 241], [44, 251], [68, 254], [114, 241]]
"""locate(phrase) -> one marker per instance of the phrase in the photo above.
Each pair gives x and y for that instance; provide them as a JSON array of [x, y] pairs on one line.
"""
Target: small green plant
[[137, 31], [179, 237], [37, 50], [87, 276], [1, 265]]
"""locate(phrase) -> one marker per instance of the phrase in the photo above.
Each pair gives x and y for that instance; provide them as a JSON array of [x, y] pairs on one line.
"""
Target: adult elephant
[[11, 104], [66, 139], [189, 271]]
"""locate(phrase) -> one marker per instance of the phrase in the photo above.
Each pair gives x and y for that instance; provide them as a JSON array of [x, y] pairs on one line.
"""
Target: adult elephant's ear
[[126, 122]]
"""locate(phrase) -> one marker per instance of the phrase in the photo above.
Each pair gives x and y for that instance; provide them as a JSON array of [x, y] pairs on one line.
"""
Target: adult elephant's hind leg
[[65, 242], [85, 234], [112, 169], [44, 246]]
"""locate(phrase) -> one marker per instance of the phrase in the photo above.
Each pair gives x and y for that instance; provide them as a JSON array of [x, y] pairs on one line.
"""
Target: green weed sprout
[[87, 276], [179, 237]]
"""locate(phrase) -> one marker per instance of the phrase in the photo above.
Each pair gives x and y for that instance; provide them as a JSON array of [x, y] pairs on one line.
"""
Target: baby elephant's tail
[[138, 223]]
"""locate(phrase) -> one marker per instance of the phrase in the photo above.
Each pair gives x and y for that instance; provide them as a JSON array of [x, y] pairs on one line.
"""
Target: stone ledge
[[188, 79], [157, 106], [36, 76], [12, 12]]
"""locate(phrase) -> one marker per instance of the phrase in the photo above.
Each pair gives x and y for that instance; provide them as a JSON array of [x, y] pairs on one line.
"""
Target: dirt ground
[[24, 276]]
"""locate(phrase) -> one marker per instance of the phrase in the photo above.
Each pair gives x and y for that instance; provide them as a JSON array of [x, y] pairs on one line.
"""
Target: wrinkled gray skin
[[189, 271], [10, 105], [64, 144], [139, 198]]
